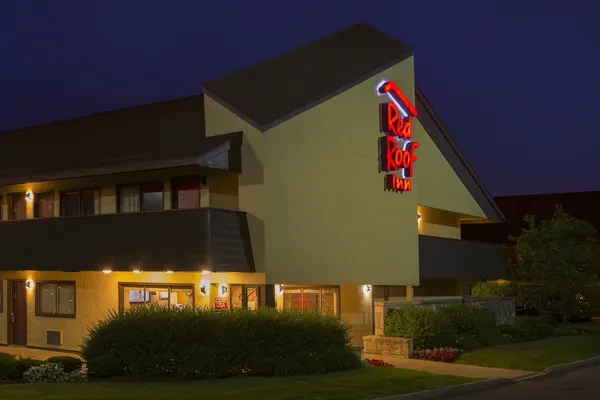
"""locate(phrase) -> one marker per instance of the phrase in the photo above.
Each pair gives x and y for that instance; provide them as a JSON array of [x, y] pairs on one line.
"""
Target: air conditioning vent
[[54, 338]]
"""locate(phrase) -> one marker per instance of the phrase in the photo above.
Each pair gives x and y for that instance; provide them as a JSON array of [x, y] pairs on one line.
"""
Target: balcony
[[178, 240], [463, 259]]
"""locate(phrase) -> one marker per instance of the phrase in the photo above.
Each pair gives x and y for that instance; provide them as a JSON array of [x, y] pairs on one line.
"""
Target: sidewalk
[[26, 352], [469, 371]]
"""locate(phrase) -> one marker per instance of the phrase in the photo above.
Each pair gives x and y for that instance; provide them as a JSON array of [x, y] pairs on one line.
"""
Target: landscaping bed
[[364, 383]]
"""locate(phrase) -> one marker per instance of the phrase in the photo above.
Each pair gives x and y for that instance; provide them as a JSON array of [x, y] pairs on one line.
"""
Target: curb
[[572, 365], [452, 390]]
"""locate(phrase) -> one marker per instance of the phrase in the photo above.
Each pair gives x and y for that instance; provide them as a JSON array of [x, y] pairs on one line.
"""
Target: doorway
[[18, 313]]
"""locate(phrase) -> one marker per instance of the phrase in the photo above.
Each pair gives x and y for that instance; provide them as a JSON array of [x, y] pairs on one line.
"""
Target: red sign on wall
[[396, 148]]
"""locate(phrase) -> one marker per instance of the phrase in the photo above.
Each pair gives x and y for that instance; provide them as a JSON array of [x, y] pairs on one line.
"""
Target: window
[[186, 192], [244, 296], [80, 202], [323, 300], [17, 206], [55, 299], [171, 296], [147, 197], [43, 205]]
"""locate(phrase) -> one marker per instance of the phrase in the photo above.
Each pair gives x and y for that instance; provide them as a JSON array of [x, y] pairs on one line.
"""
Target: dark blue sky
[[517, 82]]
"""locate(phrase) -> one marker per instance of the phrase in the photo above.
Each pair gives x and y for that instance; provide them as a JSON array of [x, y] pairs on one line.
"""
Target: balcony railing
[[178, 240]]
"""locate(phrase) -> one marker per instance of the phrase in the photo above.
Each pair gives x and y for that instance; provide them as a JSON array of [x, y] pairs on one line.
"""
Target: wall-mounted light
[[419, 217], [168, 272], [205, 288], [29, 196], [205, 272], [106, 271], [279, 290], [137, 271], [29, 284], [367, 289], [222, 289]]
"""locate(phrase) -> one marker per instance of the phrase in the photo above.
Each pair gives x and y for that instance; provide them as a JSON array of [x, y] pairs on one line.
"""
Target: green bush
[[473, 326], [490, 289], [68, 363], [23, 364], [459, 325], [201, 343], [427, 327], [517, 333], [8, 368], [550, 319]]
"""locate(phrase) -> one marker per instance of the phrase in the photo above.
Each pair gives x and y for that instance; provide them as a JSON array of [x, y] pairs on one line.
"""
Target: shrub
[[69, 364], [8, 368], [52, 373], [427, 327], [517, 333], [474, 326], [551, 319], [527, 329], [490, 289], [201, 343], [24, 364]]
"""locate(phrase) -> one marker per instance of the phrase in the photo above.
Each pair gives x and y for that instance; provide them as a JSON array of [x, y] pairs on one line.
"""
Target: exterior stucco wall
[[97, 293], [329, 219], [221, 121], [356, 309]]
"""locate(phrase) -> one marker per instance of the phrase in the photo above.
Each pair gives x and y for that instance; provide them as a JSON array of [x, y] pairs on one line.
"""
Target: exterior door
[[18, 313]]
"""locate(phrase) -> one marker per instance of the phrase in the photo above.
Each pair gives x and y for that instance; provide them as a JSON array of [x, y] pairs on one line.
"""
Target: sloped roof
[[158, 135], [270, 92], [442, 139]]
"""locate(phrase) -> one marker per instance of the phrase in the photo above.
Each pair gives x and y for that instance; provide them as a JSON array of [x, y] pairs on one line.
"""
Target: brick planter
[[387, 346]]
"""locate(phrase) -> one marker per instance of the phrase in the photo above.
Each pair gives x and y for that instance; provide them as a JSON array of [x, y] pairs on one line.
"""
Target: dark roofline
[[548, 194], [307, 107], [24, 129], [488, 205]]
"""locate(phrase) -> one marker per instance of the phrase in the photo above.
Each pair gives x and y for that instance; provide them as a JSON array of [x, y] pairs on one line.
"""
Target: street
[[581, 384]]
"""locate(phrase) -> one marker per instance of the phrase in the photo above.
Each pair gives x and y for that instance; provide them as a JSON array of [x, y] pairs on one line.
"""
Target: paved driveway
[[581, 384]]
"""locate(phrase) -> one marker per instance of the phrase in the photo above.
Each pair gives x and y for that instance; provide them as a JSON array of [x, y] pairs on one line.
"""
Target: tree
[[556, 258]]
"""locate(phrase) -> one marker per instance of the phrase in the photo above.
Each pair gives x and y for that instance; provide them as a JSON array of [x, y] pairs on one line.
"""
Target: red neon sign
[[396, 148]]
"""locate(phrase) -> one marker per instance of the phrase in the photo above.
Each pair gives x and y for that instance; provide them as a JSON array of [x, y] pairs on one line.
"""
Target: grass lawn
[[537, 355], [366, 383]]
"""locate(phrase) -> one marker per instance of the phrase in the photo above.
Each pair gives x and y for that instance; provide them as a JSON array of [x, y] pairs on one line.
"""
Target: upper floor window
[[186, 192], [80, 202], [43, 205], [146, 197], [17, 206]]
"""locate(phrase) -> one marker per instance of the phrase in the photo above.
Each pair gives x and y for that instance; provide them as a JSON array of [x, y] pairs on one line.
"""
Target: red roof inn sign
[[396, 148]]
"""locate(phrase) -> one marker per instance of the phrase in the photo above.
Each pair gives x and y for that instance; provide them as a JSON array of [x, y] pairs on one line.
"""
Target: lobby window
[[244, 296], [17, 206], [146, 197], [43, 205], [80, 202], [186, 192], [323, 300], [55, 299], [171, 296]]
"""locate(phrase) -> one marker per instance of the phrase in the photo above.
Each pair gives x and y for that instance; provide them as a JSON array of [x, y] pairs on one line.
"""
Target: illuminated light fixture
[[206, 272], [168, 272], [222, 289], [107, 271], [205, 288], [419, 217], [29, 196], [367, 289], [29, 284], [279, 289], [137, 271]]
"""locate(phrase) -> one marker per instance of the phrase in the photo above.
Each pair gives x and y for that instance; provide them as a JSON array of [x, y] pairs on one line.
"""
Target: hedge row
[[463, 326], [12, 368], [200, 343]]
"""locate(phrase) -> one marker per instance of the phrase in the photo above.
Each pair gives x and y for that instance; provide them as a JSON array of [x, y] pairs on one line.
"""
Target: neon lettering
[[397, 150]]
